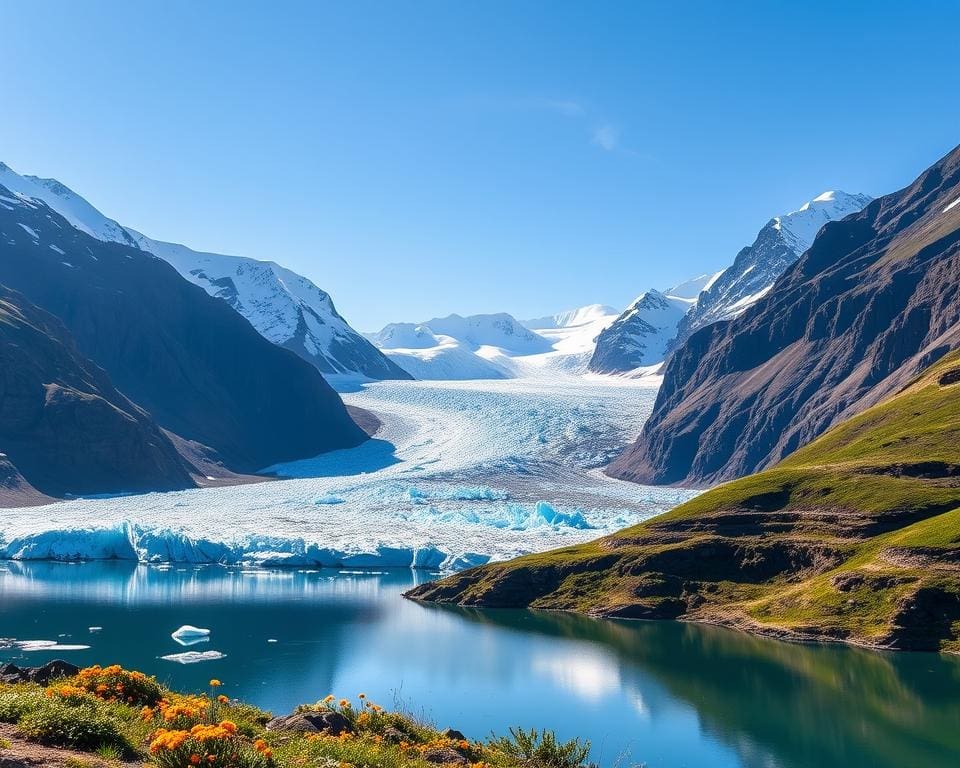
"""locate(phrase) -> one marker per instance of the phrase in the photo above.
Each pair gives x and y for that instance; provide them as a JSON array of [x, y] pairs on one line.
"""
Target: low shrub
[[541, 749], [70, 725], [17, 700], [115, 683]]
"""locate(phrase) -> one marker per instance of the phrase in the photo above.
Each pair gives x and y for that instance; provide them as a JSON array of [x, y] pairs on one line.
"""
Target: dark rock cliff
[[64, 428]]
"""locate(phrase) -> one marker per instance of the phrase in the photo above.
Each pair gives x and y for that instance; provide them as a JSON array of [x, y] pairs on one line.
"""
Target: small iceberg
[[94, 630], [190, 635], [194, 657]]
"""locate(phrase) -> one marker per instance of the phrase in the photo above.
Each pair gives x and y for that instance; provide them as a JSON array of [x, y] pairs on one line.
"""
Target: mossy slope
[[855, 537]]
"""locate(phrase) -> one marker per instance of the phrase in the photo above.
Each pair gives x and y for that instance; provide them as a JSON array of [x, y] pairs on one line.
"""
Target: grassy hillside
[[855, 537]]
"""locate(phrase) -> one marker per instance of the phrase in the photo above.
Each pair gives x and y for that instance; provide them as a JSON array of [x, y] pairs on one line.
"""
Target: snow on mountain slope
[[572, 318], [690, 289], [780, 243], [498, 330], [496, 346], [286, 308], [641, 335], [447, 360]]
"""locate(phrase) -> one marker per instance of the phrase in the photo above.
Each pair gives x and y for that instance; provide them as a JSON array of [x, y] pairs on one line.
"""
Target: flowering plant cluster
[[114, 683], [219, 746]]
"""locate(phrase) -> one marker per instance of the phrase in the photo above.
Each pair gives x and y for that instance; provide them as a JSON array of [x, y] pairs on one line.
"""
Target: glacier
[[460, 474]]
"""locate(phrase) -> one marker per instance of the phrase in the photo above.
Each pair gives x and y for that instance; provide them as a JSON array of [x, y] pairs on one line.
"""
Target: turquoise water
[[666, 695]]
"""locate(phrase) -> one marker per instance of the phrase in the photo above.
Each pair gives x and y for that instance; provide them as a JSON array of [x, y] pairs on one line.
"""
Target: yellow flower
[[215, 683]]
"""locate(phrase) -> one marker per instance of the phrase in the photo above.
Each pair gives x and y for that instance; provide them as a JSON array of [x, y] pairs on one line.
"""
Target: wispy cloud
[[607, 137], [600, 131]]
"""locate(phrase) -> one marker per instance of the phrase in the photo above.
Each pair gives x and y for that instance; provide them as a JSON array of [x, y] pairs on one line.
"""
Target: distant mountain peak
[[755, 269]]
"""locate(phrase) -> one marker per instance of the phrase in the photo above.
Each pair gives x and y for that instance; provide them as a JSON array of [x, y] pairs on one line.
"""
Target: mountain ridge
[[869, 304], [285, 307]]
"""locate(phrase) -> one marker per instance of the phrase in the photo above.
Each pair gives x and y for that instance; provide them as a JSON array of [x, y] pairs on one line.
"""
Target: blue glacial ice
[[461, 473]]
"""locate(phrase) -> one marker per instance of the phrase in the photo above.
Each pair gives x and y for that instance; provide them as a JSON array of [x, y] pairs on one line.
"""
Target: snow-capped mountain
[[456, 347], [573, 318], [286, 308], [496, 346], [780, 243], [641, 335]]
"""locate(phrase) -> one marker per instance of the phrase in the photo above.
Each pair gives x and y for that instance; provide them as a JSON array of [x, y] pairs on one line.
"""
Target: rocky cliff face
[[64, 428], [873, 301], [192, 362]]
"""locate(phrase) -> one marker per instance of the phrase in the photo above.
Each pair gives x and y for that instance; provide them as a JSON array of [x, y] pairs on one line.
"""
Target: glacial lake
[[661, 694]]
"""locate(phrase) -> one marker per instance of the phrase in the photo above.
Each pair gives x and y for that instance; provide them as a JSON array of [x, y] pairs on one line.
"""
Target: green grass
[[848, 538]]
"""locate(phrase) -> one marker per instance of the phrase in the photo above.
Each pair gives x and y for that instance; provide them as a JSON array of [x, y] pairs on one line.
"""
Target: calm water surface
[[666, 695]]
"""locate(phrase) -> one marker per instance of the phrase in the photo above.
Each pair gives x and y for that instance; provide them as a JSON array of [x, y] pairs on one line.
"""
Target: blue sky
[[421, 158]]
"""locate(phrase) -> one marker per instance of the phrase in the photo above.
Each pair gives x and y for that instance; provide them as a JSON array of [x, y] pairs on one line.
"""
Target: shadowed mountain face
[[64, 427], [194, 364], [872, 302]]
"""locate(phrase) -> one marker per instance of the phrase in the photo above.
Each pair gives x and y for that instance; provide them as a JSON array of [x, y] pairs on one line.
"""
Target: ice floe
[[194, 657], [190, 635]]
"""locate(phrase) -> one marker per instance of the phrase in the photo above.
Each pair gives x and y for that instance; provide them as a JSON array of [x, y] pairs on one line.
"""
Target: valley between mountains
[[163, 405]]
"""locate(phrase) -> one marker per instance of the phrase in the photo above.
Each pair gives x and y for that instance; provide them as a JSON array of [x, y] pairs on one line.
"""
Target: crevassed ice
[[462, 473]]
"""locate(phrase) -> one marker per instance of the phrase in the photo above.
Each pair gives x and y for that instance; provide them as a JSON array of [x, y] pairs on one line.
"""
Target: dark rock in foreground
[[43, 675], [318, 721]]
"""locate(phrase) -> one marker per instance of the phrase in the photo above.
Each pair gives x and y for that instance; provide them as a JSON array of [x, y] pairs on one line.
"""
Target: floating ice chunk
[[190, 635], [271, 640], [94, 629], [31, 646], [194, 657]]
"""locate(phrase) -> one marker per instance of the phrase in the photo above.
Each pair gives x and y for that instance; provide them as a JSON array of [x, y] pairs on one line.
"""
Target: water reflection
[[668, 695], [799, 705]]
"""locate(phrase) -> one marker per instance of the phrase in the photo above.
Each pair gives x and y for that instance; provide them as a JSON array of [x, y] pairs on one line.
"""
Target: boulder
[[43, 675], [320, 721], [444, 756]]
